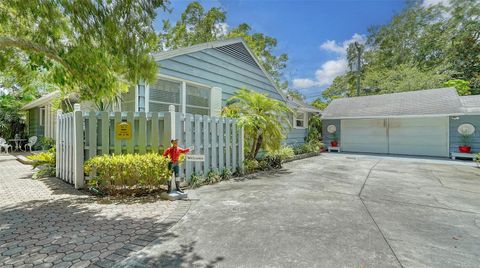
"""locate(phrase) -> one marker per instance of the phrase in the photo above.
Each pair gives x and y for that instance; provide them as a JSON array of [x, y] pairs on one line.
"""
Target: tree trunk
[[259, 144], [254, 145]]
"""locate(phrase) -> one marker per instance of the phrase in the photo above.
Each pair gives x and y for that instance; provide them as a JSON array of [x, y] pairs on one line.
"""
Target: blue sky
[[313, 33]]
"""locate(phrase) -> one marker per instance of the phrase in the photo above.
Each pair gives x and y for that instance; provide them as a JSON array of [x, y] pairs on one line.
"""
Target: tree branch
[[26, 45]]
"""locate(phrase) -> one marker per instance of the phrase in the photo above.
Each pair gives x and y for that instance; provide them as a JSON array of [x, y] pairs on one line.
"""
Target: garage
[[423, 122], [410, 136]]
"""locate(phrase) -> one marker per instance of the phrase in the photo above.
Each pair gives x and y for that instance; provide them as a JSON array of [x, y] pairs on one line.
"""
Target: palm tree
[[265, 120]]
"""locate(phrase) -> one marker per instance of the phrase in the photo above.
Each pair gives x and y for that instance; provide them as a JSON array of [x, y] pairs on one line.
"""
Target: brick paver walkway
[[47, 223]]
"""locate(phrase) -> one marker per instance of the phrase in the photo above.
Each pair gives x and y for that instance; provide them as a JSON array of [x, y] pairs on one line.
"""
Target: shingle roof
[[298, 104], [442, 101], [471, 104]]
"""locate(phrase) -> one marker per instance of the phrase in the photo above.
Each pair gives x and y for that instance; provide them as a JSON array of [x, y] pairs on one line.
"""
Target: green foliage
[[199, 26], [466, 139], [213, 176], [308, 147], [314, 129], [477, 159], [462, 86], [46, 142], [45, 161], [319, 104], [11, 117], [250, 165], [226, 174], [265, 120], [196, 180], [128, 170], [420, 48], [94, 48], [284, 153]]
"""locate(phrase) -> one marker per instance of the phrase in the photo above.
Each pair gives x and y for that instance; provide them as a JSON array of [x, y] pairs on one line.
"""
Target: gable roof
[[301, 105], [431, 102], [45, 99], [233, 46]]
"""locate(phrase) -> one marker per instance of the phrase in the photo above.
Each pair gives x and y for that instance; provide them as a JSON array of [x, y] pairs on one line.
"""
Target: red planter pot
[[464, 149], [334, 143]]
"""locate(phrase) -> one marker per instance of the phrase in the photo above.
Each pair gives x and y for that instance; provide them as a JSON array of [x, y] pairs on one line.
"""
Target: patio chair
[[4, 145], [31, 141]]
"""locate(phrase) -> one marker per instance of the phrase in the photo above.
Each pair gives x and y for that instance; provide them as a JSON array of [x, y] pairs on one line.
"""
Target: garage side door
[[364, 135], [419, 136]]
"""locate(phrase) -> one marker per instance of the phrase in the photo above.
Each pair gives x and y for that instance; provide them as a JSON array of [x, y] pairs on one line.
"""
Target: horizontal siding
[[296, 136], [327, 137], [214, 68], [34, 128], [455, 137]]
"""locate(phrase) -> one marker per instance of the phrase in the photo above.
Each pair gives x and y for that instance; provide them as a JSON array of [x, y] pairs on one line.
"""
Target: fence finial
[[59, 112], [76, 107], [171, 108]]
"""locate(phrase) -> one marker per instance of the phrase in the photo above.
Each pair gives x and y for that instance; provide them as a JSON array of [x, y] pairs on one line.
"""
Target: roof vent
[[239, 52]]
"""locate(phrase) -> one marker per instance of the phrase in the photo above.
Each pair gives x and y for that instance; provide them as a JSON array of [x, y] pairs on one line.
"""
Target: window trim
[[305, 117], [183, 96], [42, 118]]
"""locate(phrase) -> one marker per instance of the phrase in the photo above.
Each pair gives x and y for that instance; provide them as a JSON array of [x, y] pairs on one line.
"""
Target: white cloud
[[221, 29], [327, 72], [428, 3], [332, 46], [324, 75]]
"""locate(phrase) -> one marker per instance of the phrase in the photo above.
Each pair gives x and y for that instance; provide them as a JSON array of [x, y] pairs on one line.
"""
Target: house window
[[163, 94], [42, 116], [198, 100], [300, 120], [141, 98]]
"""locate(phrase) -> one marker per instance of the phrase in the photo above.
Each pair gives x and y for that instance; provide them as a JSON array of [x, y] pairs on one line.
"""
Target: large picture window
[[163, 94], [198, 100], [186, 96]]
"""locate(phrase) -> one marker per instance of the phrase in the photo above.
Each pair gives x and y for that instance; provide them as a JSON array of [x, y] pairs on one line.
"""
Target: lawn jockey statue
[[174, 153]]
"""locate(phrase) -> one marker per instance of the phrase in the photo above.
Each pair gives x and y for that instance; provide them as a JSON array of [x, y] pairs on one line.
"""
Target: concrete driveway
[[334, 210]]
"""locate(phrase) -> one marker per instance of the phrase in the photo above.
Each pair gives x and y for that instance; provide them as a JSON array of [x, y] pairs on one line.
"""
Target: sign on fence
[[195, 157], [123, 131], [217, 142]]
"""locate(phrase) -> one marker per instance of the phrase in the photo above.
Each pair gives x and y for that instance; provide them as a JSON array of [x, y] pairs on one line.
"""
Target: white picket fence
[[82, 135]]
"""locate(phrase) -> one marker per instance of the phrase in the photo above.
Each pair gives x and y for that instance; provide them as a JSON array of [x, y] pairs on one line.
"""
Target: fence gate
[[83, 135]]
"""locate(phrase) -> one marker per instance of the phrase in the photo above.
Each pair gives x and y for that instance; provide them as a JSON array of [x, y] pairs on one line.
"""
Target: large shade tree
[[94, 48], [197, 25], [420, 48]]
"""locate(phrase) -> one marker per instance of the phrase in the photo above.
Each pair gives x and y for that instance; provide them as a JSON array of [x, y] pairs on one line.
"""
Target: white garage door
[[409, 136], [418, 136], [364, 135]]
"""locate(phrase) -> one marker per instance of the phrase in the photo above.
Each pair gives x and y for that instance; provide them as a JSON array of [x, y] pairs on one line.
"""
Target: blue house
[[199, 80]]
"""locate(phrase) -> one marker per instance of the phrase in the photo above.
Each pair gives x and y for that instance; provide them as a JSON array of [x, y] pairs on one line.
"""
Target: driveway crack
[[371, 216]]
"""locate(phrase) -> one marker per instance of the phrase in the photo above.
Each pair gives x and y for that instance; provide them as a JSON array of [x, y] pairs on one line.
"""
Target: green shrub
[[46, 143], [196, 180], [308, 147], [263, 165], [285, 153], [128, 170], [45, 161], [226, 174], [250, 165], [213, 176]]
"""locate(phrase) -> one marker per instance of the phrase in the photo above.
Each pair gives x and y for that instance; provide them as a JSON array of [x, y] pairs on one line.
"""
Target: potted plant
[[334, 142], [465, 147]]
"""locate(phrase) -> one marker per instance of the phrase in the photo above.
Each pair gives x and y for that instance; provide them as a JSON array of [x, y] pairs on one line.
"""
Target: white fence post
[[78, 143], [57, 145]]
